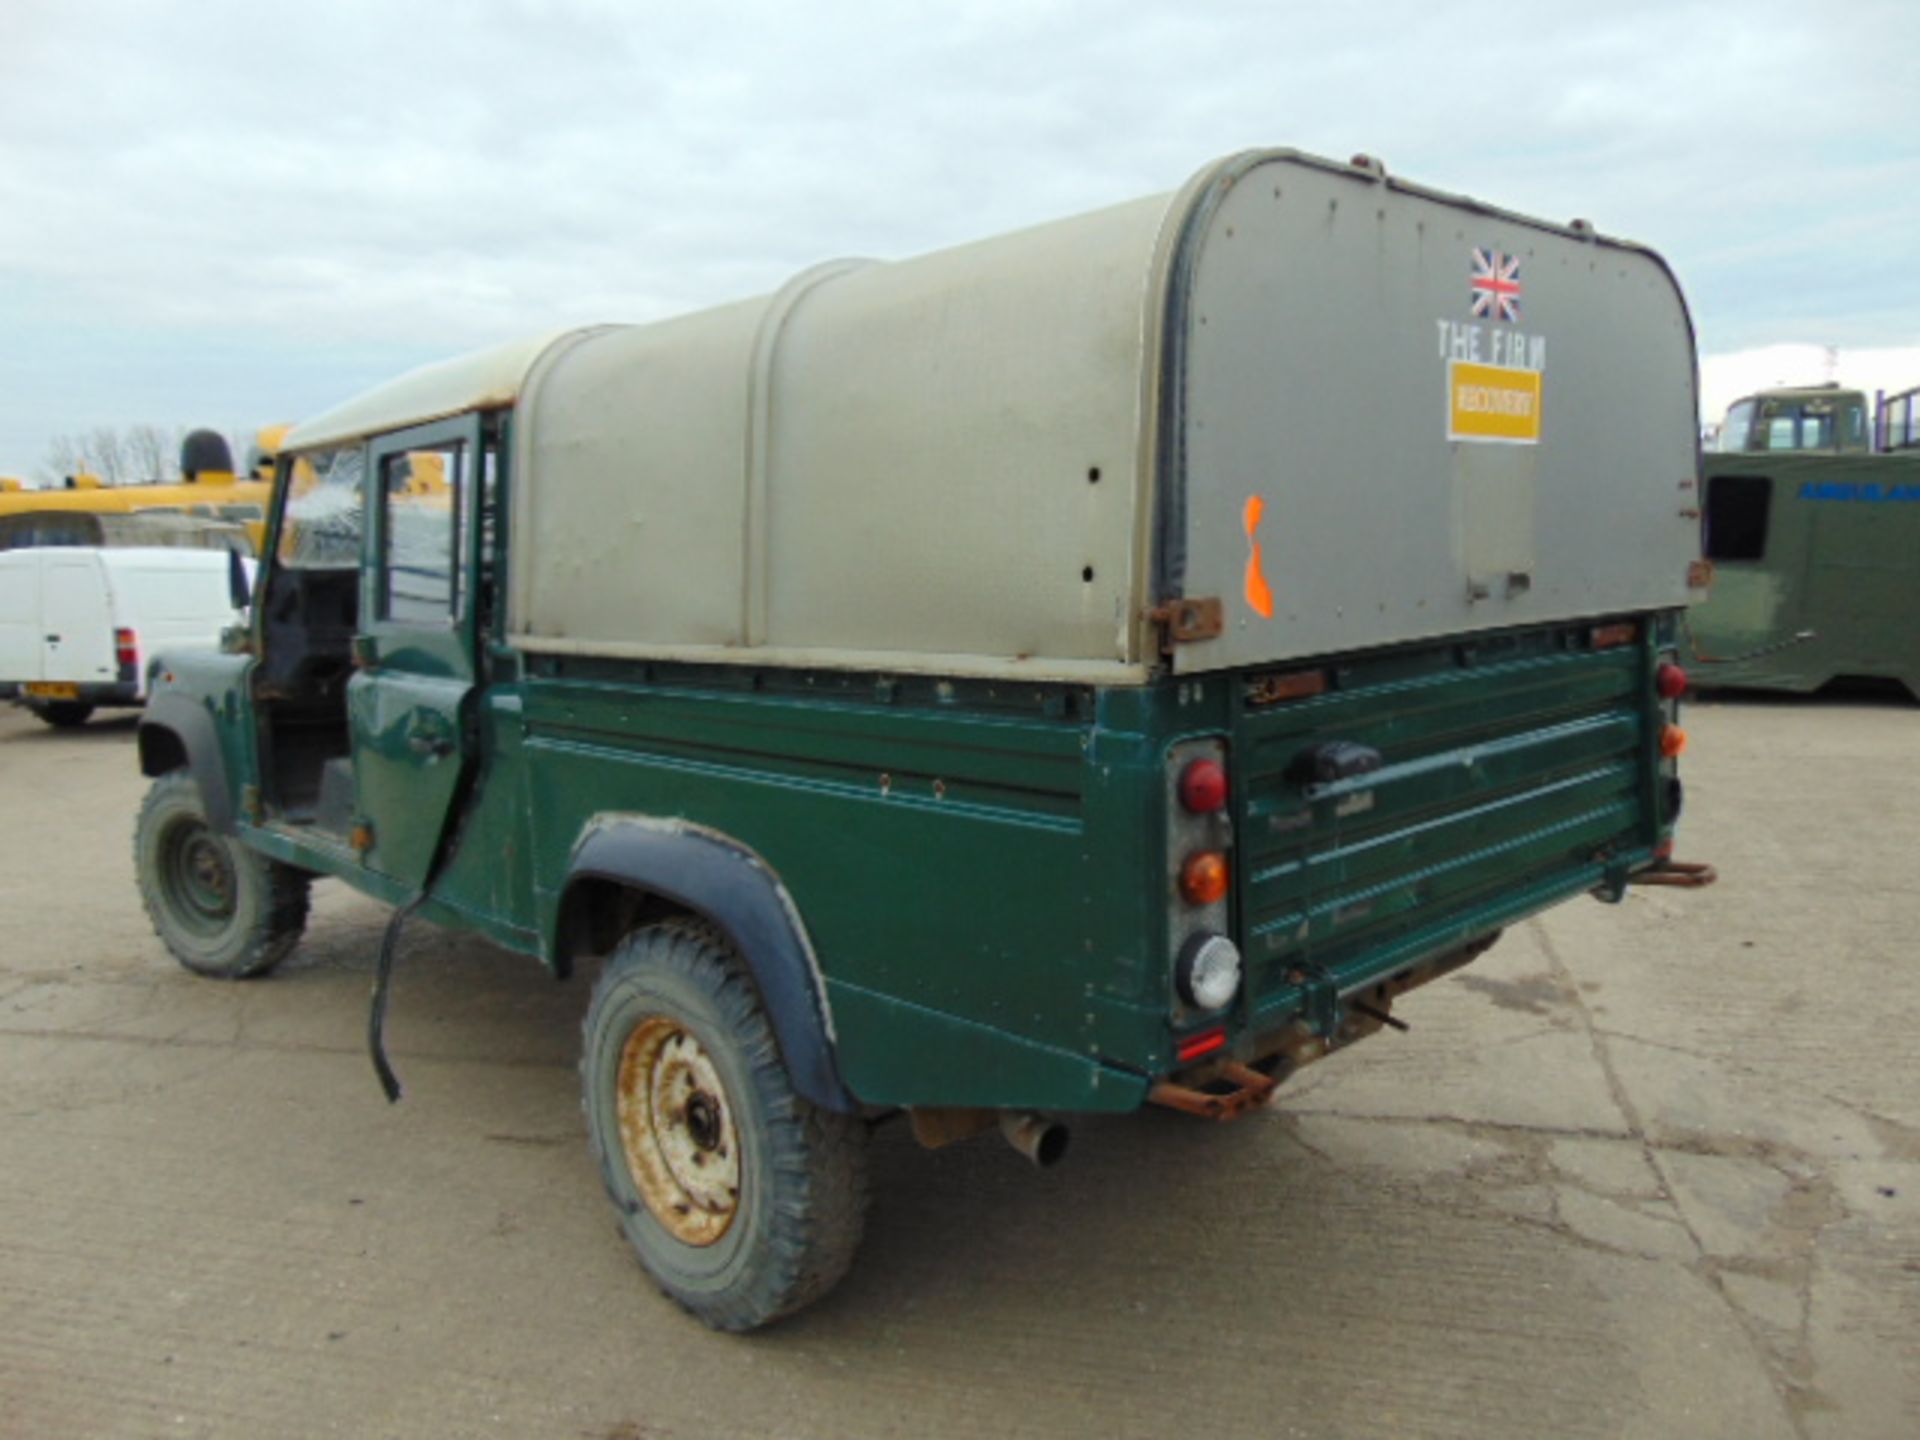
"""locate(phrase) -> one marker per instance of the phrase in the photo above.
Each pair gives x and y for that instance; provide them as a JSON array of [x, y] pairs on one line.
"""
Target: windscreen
[[325, 511]]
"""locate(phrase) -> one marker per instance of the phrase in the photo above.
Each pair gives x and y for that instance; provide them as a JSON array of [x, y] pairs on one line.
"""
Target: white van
[[77, 623]]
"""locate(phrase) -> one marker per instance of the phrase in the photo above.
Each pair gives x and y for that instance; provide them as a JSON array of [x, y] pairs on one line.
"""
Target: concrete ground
[[1646, 1170]]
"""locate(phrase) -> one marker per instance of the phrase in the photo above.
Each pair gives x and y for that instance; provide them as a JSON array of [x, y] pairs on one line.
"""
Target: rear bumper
[[115, 693]]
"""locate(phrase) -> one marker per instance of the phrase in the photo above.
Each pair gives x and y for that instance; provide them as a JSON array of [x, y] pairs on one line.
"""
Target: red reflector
[[1605, 637], [125, 646], [1203, 787], [1670, 681], [1664, 850], [1205, 1043]]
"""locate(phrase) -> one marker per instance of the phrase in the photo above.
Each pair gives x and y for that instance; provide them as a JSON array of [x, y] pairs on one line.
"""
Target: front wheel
[[744, 1200], [222, 909]]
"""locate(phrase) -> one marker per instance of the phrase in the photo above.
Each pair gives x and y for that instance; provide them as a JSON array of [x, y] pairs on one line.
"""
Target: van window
[[1737, 511], [422, 491], [321, 527]]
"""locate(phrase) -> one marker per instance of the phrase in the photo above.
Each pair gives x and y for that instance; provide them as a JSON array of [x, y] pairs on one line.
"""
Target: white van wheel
[[63, 714]]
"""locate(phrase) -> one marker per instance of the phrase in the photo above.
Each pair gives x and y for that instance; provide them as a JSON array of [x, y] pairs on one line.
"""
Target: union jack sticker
[[1495, 285]]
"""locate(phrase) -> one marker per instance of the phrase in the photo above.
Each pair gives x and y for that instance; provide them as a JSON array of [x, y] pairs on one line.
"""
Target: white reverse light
[[1208, 971]]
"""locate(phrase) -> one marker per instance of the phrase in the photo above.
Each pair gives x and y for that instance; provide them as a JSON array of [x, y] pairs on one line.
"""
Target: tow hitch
[[1680, 874], [1250, 1088]]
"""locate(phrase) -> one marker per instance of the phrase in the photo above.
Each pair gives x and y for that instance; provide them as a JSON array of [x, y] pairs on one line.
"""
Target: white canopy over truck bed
[[1353, 411]]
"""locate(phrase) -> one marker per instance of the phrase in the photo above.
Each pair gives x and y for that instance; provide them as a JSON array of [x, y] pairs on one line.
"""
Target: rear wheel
[[222, 909], [63, 714], [743, 1200]]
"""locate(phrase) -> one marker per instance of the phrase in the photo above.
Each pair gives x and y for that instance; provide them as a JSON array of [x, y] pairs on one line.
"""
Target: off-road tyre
[[678, 989], [62, 714], [223, 910]]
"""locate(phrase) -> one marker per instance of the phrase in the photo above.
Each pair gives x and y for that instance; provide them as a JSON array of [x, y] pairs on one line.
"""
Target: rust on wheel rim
[[677, 1129]]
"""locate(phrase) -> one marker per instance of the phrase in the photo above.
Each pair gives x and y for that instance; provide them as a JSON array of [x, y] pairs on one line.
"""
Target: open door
[[408, 701]]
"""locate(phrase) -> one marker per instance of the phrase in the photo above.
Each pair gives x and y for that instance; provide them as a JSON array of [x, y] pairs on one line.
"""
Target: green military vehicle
[[1812, 524], [1099, 667]]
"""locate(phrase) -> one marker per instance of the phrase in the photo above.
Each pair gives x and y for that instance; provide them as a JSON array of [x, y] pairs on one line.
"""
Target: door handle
[[53, 639]]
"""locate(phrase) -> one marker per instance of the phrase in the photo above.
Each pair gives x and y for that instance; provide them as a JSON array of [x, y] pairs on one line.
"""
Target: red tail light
[[126, 648], [1205, 1043], [1203, 787], [1671, 681]]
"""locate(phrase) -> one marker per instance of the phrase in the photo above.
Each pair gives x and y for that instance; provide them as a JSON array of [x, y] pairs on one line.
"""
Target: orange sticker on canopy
[[1259, 594], [1493, 402]]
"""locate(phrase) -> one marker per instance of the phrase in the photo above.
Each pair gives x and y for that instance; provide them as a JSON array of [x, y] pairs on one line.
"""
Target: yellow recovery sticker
[[1492, 402]]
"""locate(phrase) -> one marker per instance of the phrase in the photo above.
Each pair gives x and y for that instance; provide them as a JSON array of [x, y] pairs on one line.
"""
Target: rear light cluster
[[126, 653], [1206, 966], [1670, 683]]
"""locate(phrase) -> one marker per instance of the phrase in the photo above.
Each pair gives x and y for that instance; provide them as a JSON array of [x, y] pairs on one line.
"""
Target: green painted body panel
[[940, 856], [1841, 559], [983, 869], [406, 763], [217, 680]]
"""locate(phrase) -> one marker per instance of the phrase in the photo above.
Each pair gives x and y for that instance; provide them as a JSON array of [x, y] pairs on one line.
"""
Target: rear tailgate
[[1514, 771]]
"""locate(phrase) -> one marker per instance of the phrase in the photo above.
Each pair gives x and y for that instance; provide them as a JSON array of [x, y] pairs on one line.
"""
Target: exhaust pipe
[[1041, 1140]]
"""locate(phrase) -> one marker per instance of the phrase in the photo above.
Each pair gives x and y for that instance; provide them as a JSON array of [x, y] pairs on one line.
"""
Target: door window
[[423, 491]]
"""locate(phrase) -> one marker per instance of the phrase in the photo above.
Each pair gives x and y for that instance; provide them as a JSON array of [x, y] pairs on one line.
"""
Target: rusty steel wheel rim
[[677, 1128]]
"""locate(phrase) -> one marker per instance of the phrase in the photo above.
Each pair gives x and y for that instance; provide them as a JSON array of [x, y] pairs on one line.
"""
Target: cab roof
[[483, 380]]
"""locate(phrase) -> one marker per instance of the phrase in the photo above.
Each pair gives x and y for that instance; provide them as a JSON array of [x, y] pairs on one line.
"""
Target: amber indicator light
[[1673, 741], [1203, 878]]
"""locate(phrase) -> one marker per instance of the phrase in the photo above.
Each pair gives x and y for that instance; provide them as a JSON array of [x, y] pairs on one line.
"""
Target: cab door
[[22, 635], [409, 701]]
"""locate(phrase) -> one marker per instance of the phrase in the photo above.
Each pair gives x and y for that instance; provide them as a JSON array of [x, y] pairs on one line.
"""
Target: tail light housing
[[126, 653], [1670, 681], [1206, 966]]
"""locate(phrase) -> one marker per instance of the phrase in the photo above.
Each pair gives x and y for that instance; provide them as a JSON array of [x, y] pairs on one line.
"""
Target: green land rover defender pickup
[[1102, 666]]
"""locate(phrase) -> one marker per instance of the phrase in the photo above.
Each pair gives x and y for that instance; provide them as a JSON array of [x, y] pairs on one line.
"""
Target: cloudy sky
[[231, 213]]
